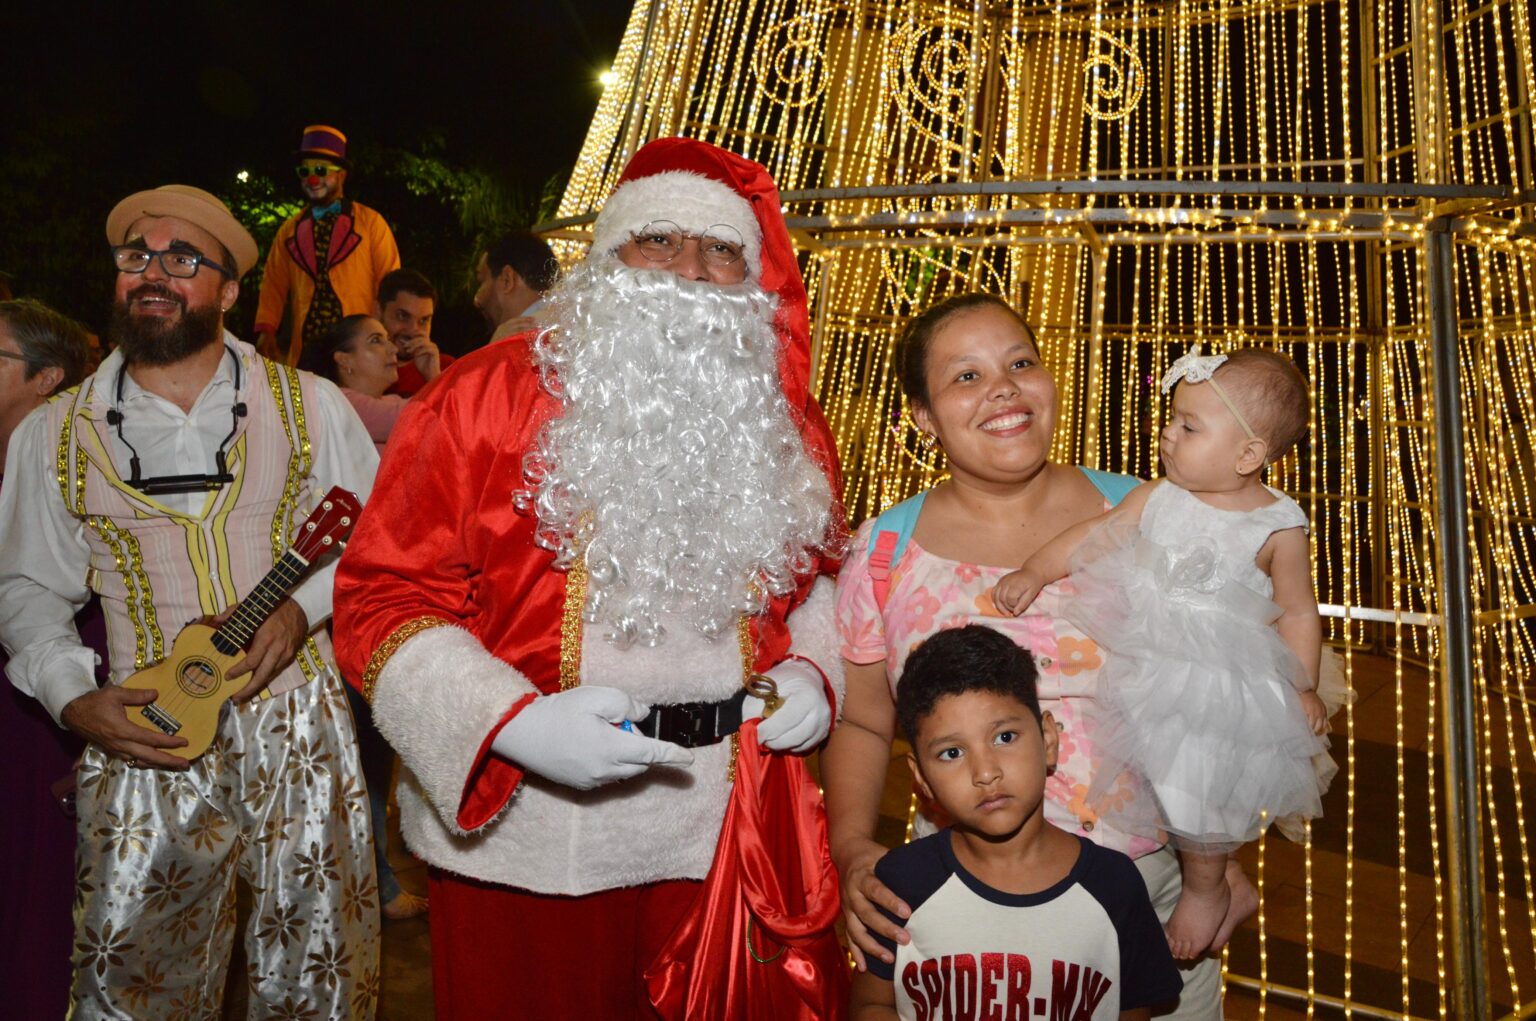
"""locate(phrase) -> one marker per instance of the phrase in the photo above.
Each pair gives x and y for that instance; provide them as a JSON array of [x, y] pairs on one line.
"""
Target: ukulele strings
[[238, 630]]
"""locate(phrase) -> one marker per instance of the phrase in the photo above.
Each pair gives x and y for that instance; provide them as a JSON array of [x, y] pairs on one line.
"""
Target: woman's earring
[[928, 454]]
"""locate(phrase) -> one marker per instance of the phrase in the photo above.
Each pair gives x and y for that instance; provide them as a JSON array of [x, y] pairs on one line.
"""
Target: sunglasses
[[314, 169]]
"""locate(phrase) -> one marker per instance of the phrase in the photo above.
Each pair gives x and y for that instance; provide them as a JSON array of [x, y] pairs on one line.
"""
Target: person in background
[[41, 354], [513, 276], [406, 303], [358, 356], [327, 261]]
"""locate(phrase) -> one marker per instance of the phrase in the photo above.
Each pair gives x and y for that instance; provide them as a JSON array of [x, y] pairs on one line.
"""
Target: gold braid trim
[[748, 661], [571, 626], [130, 564], [62, 464], [570, 646], [398, 637]]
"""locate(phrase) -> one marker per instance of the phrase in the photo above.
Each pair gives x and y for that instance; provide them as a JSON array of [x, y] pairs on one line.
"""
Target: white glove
[[571, 738], [803, 718]]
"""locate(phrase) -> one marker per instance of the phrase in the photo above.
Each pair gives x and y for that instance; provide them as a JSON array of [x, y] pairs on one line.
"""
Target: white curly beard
[[675, 464]]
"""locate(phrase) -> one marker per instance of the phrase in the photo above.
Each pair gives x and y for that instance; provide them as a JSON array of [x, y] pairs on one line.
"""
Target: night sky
[[103, 100]]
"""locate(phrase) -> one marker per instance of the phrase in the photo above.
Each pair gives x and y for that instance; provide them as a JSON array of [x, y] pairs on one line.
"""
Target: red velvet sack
[[759, 944]]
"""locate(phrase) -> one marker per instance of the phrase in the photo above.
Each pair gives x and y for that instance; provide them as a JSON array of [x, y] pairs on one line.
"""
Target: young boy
[[1011, 917]]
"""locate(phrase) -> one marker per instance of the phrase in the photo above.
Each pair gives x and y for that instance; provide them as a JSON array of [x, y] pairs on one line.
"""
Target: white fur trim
[[813, 634], [687, 667], [663, 824], [692, 201], [436, 700]]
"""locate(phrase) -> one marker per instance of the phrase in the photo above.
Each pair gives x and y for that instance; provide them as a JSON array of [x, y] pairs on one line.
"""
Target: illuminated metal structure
[[1349, 182]]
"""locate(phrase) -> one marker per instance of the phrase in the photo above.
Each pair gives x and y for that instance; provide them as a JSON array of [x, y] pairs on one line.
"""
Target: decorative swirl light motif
[[932, 65], [789, 66], [935, 66], [1116, 79]]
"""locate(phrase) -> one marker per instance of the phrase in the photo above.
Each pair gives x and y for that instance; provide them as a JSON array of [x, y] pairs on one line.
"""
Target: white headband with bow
[[1193, 367]]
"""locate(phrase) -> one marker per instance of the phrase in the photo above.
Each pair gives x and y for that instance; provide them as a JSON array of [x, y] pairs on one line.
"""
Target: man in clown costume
[[581, 546], [326, 262]]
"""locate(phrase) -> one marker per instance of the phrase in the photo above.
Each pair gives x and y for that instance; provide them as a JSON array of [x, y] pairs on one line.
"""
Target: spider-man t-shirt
[[1083, 950]]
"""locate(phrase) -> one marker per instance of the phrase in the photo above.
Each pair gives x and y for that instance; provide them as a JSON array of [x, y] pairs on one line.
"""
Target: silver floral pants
[[277, 801]]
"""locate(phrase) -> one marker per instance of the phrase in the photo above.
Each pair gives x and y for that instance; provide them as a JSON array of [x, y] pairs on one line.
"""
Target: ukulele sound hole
[[198, 678]]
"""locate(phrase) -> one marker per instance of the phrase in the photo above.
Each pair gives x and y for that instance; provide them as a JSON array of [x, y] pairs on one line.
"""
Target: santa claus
[[582, 547]]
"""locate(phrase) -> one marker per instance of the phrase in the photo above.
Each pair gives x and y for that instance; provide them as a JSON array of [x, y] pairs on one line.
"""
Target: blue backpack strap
[[1114, 487], [888, 540]]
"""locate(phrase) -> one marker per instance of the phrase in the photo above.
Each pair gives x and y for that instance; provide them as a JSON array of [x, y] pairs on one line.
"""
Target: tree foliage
[[54, 202]]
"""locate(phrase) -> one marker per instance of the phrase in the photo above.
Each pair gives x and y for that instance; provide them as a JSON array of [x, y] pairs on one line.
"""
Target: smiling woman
[[972, 374], [984, 394]]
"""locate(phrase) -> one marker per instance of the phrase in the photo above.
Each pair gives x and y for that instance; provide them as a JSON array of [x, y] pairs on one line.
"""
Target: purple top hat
[[325, 142]]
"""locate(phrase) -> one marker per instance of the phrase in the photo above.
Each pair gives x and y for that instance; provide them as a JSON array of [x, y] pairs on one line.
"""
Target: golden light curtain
[[1137, 177]]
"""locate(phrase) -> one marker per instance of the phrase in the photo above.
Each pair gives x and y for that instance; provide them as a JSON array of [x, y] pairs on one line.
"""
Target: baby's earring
[[929, 442]]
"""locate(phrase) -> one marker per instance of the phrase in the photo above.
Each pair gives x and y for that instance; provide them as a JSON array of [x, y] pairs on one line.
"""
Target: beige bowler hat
[[197, 207]]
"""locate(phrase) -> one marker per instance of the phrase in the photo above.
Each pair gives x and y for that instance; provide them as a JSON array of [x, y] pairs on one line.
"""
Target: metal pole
[[632, 116], [1109, 187], [819, 326], [1091, 394], [1457, 685], [1378, 318]]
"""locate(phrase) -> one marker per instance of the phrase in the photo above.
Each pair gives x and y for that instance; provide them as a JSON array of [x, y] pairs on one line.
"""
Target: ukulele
[[193, 682]]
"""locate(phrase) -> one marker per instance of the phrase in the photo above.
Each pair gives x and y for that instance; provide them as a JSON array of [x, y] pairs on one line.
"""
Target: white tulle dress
[[1197, 693]]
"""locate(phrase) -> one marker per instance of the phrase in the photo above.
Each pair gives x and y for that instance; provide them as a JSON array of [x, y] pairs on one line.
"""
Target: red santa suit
[[453, 620]]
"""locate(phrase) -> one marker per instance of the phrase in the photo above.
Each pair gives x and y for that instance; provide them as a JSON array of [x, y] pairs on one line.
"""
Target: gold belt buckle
[[762, 686]]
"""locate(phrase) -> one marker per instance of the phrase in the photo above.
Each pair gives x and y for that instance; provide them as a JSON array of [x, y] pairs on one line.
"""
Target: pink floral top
[[928, 594]]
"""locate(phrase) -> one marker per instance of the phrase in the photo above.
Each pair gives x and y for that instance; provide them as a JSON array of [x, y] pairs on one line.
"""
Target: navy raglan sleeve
[[1148, 975], [913, 872]]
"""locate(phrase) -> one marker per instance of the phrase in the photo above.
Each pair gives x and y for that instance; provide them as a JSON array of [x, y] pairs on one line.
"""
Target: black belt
[[694, 724]]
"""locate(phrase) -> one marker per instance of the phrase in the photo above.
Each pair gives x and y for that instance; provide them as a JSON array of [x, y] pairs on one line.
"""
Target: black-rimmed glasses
[[175, 262]]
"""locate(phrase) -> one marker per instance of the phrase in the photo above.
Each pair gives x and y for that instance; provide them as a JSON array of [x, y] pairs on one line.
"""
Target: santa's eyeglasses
[[662, 241]]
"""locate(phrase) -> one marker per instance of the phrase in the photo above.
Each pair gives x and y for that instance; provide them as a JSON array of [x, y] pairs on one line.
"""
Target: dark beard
[[151, 342]]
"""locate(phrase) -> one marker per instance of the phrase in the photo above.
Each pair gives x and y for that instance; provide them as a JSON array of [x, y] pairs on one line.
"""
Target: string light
[[1299, 94]]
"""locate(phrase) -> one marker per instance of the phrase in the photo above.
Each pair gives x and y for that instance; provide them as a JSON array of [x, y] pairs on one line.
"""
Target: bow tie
[[322, 212]]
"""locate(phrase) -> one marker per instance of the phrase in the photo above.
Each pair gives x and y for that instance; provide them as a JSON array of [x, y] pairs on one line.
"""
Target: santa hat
[[697, 186], [692, 201]]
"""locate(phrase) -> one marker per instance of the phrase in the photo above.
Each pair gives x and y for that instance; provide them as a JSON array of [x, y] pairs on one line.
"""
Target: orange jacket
[[362, 250]]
